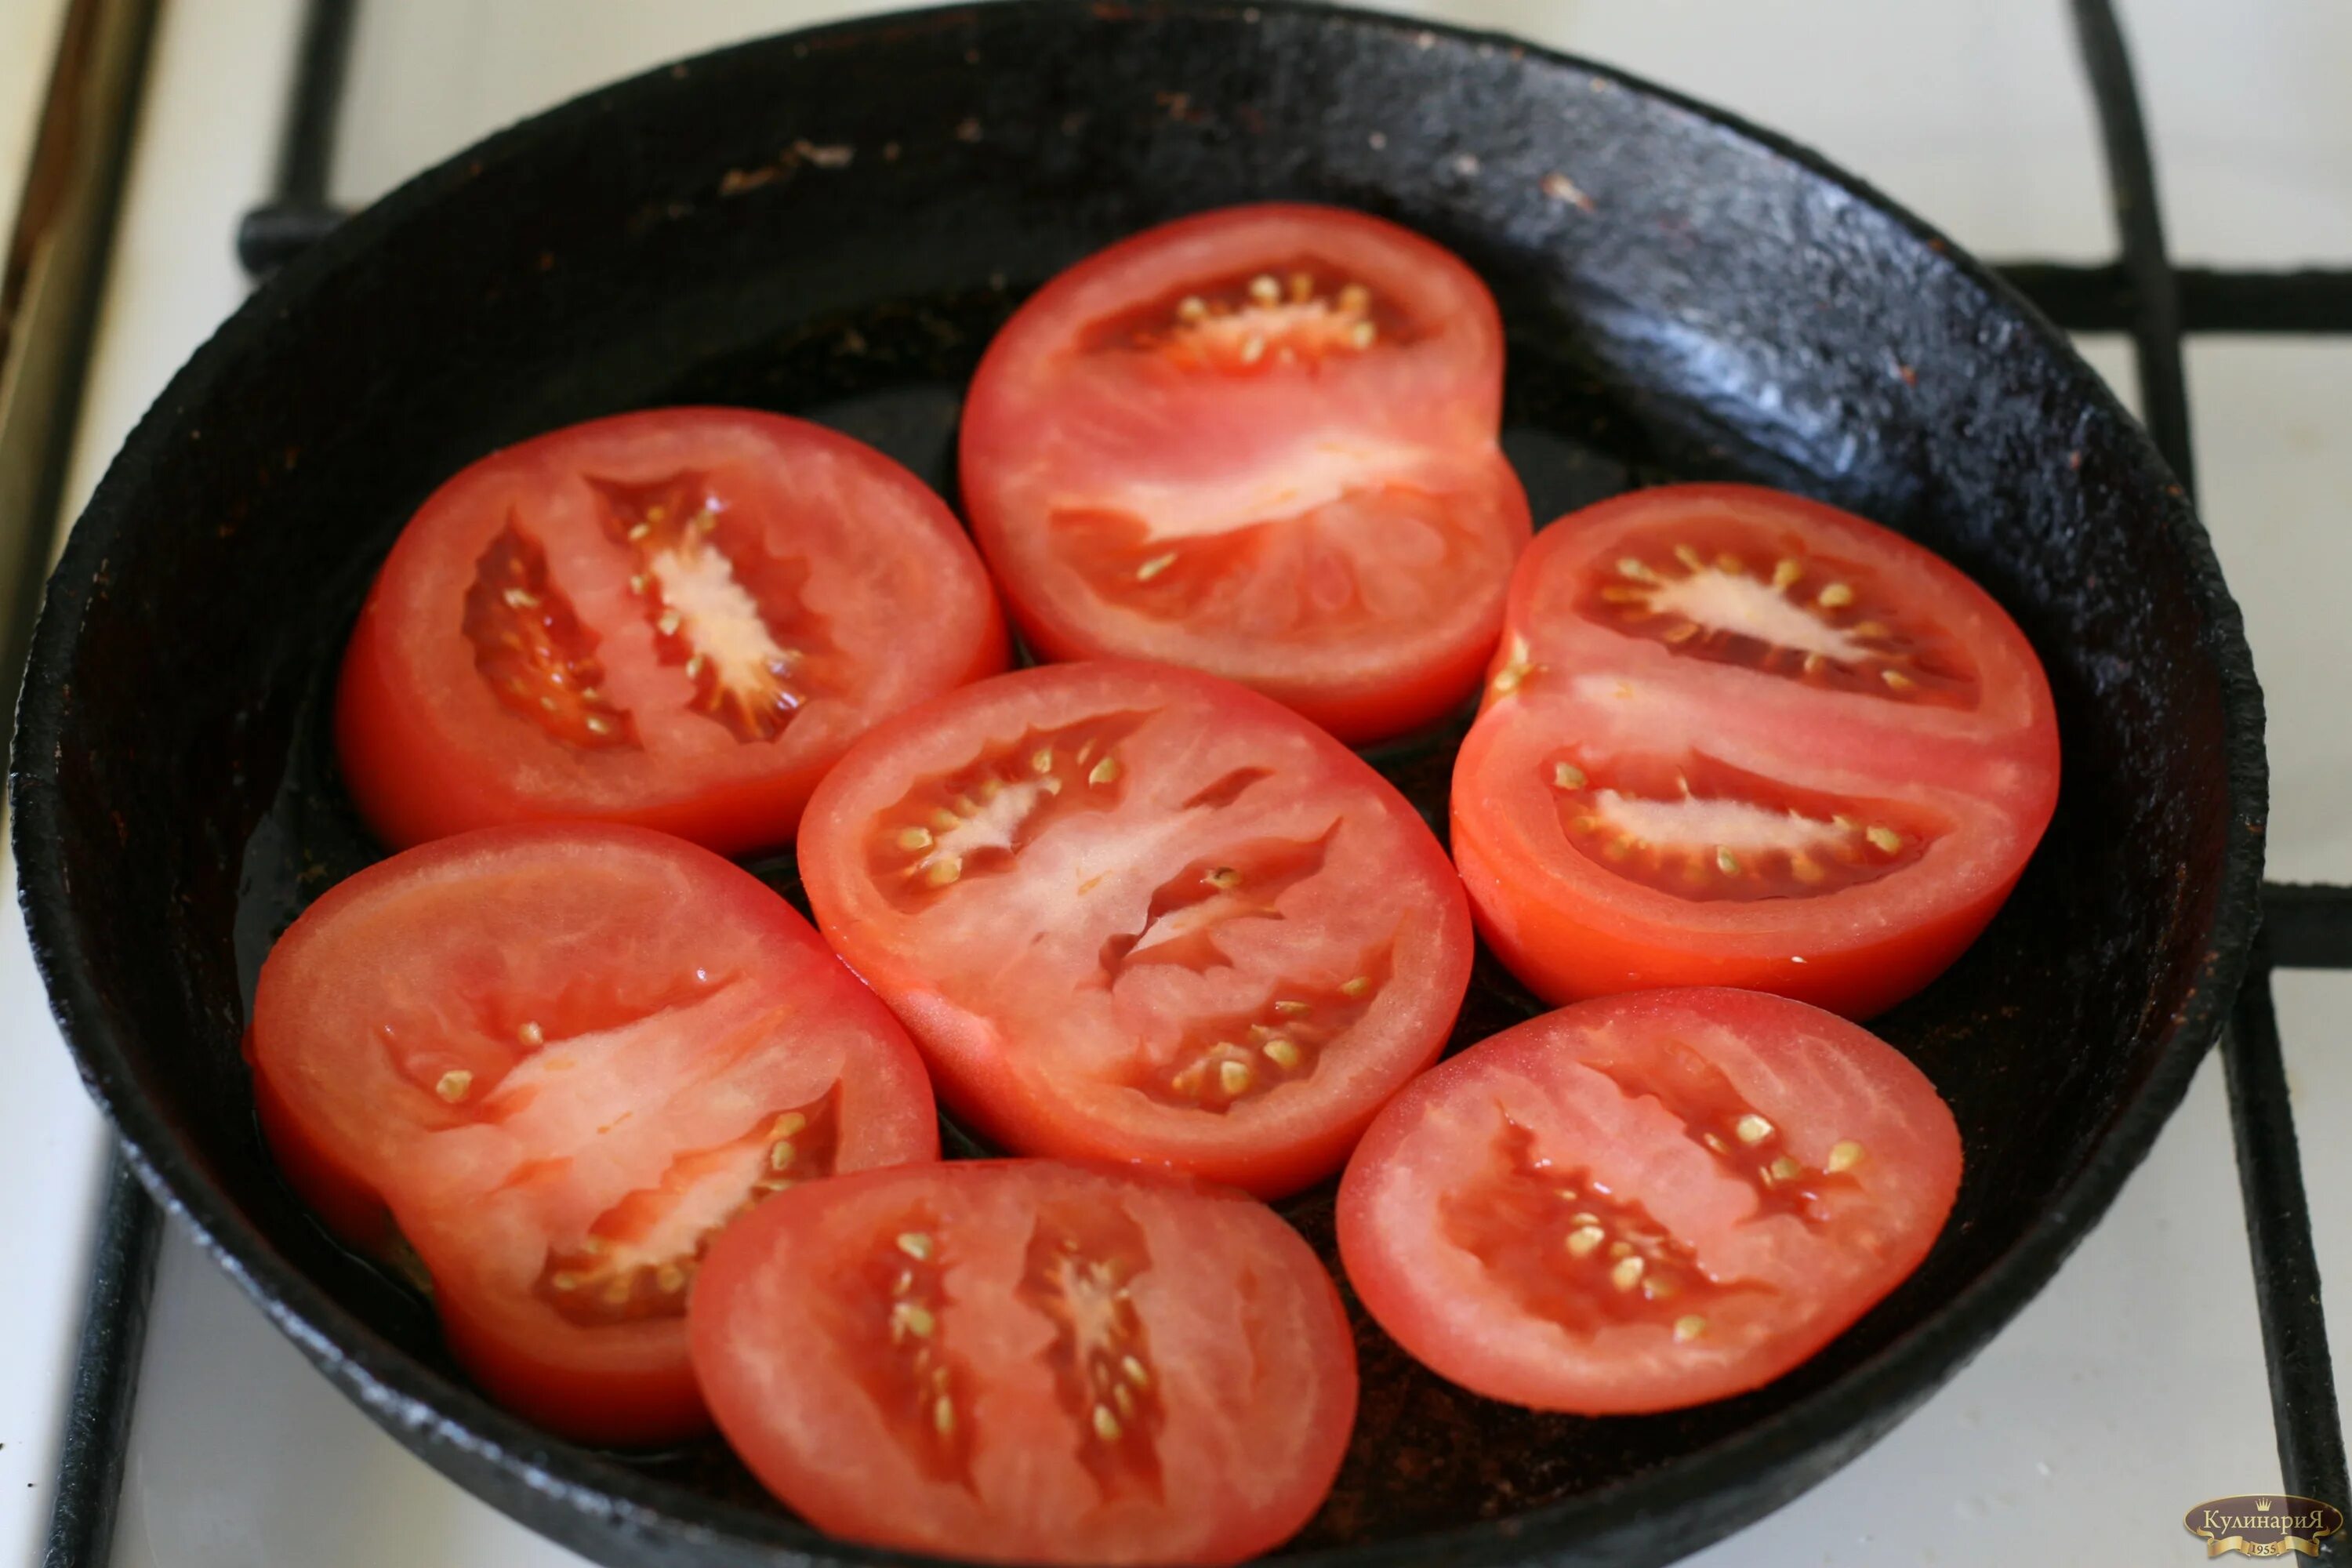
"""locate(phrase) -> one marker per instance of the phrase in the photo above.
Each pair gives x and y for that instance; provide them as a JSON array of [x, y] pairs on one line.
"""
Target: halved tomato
[[1260, 442], [555, 1060], [1735, 737], [1647, 1201], [678, 618], [1025, 1360], [1134, 913]]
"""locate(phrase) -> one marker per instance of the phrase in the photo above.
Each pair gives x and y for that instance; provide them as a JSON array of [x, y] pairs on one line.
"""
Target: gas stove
[[2180, 1355]]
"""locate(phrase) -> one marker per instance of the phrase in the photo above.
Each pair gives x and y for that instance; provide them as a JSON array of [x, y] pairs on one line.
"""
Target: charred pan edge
[[605, 1509]]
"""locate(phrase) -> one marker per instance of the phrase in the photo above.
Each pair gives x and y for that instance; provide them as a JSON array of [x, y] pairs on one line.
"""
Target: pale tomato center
[[995, 823], [1721, 824], [722, 623], [1723, 601], [1316, 469], [1702, 829], [1568, 1248], [719, 604], [1722, 593], [1319, 536], [1746, 1146], [1079, 1265]]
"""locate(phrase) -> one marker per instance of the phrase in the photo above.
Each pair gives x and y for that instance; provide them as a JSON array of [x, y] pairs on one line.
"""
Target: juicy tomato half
[[1734, 737], [555, 1060], [678, 618], [1647, 1201], [1135, 913], [1259, 442], [1020, 1359]]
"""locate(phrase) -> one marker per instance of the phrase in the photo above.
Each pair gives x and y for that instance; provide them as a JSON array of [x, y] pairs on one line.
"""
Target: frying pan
[[831, 224]]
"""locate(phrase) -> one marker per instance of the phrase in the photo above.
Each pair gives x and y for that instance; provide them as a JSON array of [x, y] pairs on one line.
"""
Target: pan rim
[[588, 1496]]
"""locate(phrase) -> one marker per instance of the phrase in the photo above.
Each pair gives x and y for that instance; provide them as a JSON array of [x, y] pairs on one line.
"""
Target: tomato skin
[[646, 1395], [984, 1010], [441, 1042], [1563, 958], [331, 1185], [1057, 425], [426, 750], [1818, 1079], [1980, 773], [1358, 713], [1239, 1339]]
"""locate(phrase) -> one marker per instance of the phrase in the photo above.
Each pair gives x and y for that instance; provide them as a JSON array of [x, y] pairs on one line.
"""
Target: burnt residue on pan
[[833, 225]]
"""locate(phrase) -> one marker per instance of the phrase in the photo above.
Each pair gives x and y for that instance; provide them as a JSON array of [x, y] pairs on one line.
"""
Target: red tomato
[[1647, 1201], [1734, 737], [678, 618], [1134, 913], [557, 1059], [1018, 1360], [1259, 442]]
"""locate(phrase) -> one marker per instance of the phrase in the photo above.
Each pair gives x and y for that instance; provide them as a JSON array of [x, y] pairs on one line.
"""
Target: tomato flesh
[[1261, 442], [1735, 737], [1546, 1237], [533, 653], [1025, 1360], [1647, 1201], [1134, 913], [554, 1062], [678, 618]]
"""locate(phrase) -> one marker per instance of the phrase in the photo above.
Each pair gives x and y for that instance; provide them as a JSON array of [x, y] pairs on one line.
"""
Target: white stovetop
[[2131, 1389]]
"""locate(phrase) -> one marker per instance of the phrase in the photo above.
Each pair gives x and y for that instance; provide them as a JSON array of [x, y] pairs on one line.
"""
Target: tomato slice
[[1025, 1360], [678, 618], [1737, 737], [1134, 913], [1260, 442], [1646, 1201], [555, 1060]]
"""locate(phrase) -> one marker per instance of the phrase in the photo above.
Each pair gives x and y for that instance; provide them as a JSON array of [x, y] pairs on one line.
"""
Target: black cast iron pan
[[833, 224]]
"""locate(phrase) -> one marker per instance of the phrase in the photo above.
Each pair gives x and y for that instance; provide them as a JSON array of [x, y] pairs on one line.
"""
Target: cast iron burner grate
[[2305, 926]]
